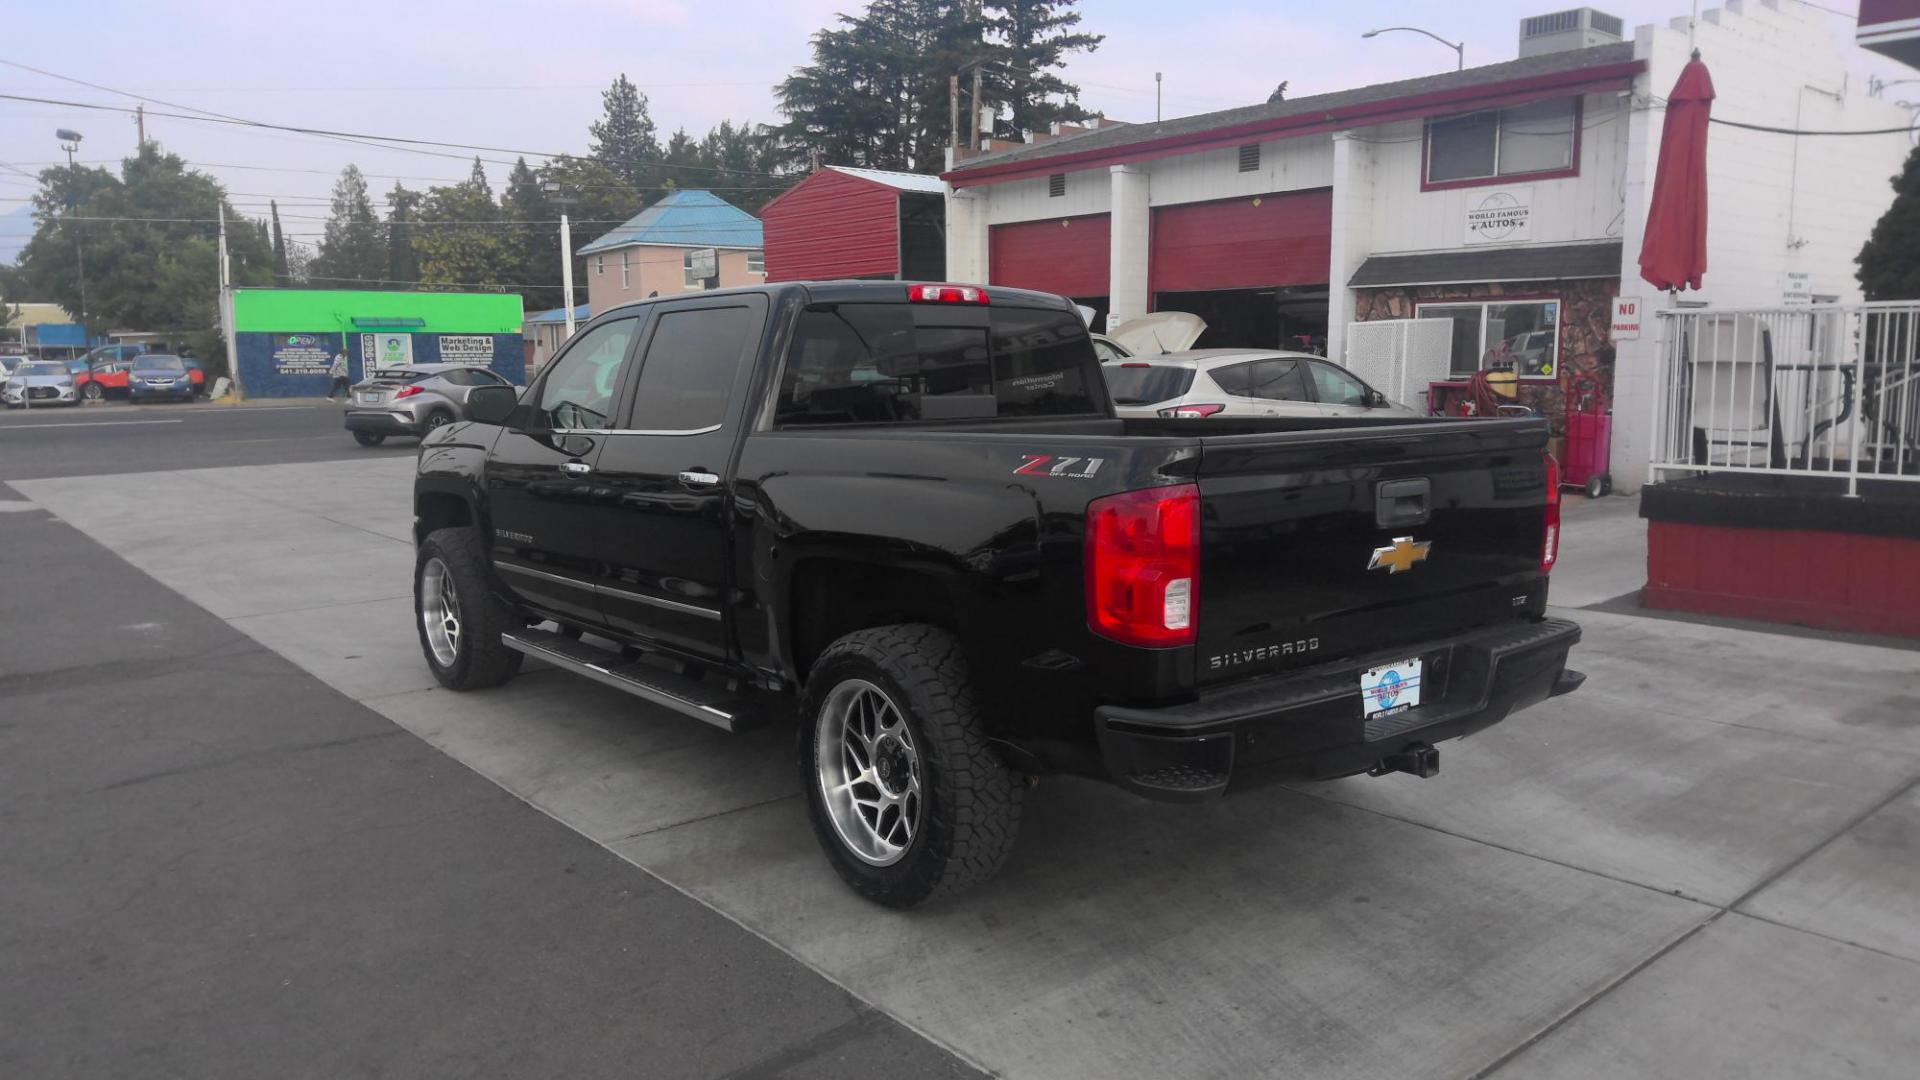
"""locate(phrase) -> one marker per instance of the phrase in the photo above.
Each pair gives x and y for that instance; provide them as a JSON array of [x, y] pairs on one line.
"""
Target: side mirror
[[1376, 400], [491, 404]]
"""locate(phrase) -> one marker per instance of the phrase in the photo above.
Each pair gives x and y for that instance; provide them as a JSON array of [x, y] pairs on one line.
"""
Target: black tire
[[92, 392], [1596, 486], [369, 438], [969, 802], [479, 659], [436, 420]]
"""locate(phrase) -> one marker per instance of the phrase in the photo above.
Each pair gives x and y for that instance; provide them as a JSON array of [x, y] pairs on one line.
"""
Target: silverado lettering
[[1264, 652]]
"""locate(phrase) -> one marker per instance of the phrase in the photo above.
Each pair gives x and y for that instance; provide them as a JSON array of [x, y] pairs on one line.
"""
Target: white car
[[1152, 334], [40, 382], [1242, 382]]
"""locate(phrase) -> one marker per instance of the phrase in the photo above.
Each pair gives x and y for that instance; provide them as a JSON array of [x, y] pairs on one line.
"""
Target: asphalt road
[[217, 865], [116, 437]]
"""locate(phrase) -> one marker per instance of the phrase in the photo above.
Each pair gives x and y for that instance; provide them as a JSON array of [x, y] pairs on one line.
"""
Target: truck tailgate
[[1292, 521]]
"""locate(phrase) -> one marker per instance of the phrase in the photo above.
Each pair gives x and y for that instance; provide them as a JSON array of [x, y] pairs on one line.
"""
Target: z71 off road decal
[[1075, 468]]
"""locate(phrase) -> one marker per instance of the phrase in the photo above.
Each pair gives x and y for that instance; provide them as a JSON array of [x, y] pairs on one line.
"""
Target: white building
[[1509, 199]]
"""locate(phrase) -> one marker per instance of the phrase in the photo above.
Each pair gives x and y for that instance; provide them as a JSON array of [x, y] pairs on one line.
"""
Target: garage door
[[1058, 255], [1248, 243]]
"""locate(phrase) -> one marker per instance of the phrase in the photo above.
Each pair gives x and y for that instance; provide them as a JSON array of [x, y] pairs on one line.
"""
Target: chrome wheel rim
[[440, 612], [436, 420], [869, 772]]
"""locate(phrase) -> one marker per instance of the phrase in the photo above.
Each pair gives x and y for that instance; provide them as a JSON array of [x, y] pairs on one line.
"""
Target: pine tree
[[1033, 36], [352, 249], [282, 273], [403, 209], [1890, 260], [625, 138]]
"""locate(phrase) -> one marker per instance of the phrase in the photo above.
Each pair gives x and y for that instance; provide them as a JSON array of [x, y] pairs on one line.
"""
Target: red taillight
[[406, 391], [1190, 412], [1143, 566], [947, 294], [1550, 544]]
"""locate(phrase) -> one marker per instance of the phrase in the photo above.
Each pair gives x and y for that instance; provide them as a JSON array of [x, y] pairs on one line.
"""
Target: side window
[[1235, 379], [689, 368], [1106, 351], [1336, 387], [482, 377], [1279, 380], [459, 377], [578, 391]]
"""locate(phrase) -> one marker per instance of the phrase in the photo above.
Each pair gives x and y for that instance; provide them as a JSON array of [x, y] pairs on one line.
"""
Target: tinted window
[[689, 368], [578, 390], [458, 377], [1336, 387], [1146, 384], [862, 363], [485, 378], [1278, 380], [1235, 379]]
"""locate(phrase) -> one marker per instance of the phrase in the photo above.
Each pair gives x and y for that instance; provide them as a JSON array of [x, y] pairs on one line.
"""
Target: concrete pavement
[[1713, 801]]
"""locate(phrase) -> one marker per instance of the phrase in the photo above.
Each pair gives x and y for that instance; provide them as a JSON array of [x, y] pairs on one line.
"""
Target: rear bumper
[[382, 422], [1308, 725]]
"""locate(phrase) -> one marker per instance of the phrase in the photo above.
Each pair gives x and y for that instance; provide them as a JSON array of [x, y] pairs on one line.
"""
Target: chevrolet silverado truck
[[906, 517]]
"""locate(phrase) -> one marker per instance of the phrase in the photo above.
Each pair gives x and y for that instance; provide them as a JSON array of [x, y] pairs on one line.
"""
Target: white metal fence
[[1827, 390]]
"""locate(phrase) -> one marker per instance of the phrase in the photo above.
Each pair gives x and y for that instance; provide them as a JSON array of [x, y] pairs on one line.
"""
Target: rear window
[[876, 363], [1145, 384]]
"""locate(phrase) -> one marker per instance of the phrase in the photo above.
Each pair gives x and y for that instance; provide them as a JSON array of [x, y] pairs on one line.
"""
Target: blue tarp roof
[[690, 218]]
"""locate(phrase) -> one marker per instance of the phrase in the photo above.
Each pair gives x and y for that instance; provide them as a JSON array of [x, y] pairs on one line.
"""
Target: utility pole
[[560, 197], [953, 111], [140, 122], [226, 310], [976, 106], [70, 142], [1156, 97]]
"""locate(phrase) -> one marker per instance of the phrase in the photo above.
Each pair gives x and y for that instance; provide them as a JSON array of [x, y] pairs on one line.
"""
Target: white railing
[[1828, 390]]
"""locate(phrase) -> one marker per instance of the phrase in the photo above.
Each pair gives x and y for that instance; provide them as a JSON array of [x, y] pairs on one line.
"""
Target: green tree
[[352, 249], [532, 260], [1890, 260], [154, 265], [1032, 37], [741, 160], [624, 138], [403, 209], [282, 272], [460, 241]]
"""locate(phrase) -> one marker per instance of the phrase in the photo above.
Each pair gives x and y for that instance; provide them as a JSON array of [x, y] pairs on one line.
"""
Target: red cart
[[1589, 437]]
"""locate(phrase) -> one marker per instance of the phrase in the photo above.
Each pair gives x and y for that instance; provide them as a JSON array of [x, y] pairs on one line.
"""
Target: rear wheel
[[906, 797], [437, 419], [369, 438], [459, 614], [92, 392], [1596, 486]]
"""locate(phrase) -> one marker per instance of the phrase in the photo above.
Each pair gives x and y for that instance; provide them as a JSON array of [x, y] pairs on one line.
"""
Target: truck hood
[[1159, 332]]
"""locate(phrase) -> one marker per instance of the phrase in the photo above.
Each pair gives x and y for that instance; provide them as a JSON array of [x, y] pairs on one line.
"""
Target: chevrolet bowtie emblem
[[1400, 555]]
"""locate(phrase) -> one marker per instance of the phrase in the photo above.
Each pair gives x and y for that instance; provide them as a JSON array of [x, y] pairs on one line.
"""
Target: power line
[[1797, 131]]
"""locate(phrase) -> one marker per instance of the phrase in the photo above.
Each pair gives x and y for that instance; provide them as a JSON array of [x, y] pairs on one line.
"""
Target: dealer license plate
[[1390, 688]]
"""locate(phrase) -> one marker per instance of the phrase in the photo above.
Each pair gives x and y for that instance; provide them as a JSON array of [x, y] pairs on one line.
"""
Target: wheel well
[[434, 510], [831, 598]]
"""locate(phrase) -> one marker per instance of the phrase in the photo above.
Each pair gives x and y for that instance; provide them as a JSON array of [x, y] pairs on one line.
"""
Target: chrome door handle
[[699, 479], [575, 468]]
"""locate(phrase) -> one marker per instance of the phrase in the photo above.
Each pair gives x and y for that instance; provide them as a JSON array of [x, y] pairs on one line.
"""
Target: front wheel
[[369, 438], [906, 797], [459, 613]]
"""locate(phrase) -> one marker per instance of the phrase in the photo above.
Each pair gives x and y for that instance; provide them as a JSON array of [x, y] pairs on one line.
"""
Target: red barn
[[844, 222]]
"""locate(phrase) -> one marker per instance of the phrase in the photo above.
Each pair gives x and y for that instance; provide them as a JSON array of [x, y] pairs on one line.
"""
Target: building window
[[1526, 140], [686, 270], [1250, 157], [1056, 185], [626, 273], [756, 262], [1522, 336], [599, 264]]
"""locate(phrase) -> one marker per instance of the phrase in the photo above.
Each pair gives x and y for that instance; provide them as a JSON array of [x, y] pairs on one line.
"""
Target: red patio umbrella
[[1673, 254]]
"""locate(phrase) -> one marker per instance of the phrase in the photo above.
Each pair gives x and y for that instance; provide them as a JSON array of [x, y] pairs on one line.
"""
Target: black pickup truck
[[910, 511]]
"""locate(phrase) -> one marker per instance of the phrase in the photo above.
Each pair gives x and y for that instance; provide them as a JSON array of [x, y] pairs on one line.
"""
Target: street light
[[70, 142], [558, 196], [1459, 48]]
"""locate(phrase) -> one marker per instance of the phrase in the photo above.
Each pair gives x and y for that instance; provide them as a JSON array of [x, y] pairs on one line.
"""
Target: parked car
[[908, 513], [413, 399], [7, 364], [160, 377], [103, 372], [1242, 382], [1152, 334], [41, 382]]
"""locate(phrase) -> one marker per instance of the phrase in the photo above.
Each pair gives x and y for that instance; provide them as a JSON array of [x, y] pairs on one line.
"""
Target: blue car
[[160, 377]]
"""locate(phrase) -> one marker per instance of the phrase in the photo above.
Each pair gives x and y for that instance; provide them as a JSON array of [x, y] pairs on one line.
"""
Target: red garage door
[[1059, 255], [1248, 243]]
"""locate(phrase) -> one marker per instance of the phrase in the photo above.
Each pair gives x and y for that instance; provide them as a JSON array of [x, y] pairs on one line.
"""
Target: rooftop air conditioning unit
[[1564, 31]]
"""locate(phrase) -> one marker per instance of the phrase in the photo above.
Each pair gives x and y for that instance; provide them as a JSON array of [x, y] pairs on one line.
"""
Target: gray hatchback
[[413, 399]]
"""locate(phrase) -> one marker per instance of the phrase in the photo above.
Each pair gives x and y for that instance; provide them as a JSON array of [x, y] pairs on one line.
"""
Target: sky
[[528, 77]]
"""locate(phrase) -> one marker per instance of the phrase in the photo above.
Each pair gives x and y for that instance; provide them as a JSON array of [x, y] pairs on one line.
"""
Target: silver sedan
[[413, 399], [1241, 382]]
